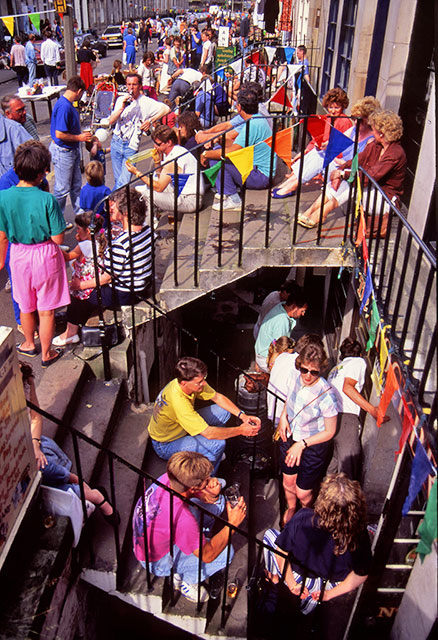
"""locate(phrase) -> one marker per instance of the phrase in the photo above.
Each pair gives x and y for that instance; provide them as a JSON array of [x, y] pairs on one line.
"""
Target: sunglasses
[[312, 372]]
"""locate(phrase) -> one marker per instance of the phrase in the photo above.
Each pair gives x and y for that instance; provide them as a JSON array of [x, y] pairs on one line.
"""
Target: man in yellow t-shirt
[[175, 425]]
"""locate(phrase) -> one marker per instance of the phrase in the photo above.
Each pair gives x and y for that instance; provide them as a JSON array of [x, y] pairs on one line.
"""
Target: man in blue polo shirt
[[65, 130]]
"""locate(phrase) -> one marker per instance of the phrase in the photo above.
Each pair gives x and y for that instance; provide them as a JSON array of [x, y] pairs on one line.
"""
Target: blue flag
[[221, 73], [182, 179], [421, 468], [336, 145], [289, 54], [367, 291]]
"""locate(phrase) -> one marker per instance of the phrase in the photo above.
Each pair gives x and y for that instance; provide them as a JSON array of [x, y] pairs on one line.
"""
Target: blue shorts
[[312, 466]]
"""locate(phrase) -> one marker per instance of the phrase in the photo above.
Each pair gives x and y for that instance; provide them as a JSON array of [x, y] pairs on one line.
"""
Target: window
[[346, 40], [329, 47]]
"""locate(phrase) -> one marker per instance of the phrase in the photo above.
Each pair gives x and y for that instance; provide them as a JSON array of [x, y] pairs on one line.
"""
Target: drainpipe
[[144, 376]]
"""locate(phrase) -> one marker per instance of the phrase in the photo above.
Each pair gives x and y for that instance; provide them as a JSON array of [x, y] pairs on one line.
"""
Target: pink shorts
[[39, 278]]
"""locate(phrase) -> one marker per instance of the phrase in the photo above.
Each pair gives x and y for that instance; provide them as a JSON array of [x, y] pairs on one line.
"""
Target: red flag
[[283, 145], [255, 57], [391, 385], [407, 427], [316, 126], [365, 251], [280, 97]]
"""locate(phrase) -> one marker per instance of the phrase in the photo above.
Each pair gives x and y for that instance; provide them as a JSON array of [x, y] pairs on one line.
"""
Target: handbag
[[90, 336]]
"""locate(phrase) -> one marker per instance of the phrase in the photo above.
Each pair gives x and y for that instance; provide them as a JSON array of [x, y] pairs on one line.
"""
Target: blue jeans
[[233, 179], [31, 67], [214, 416], [51, 74], [120, 152], [68, 179], [187, 565]]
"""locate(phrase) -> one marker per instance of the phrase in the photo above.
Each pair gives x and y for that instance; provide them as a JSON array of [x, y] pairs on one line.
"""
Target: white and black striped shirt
[[142, 260]]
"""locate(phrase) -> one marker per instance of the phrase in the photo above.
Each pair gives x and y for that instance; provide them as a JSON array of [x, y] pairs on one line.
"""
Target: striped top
[[141, 248]]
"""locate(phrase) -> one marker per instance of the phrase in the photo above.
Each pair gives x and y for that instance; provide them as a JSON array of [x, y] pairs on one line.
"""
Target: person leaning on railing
[[188, 473], [383, 159]]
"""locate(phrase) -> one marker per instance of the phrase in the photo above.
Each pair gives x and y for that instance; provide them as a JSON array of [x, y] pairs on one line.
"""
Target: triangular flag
[[211, 172], [337, 144], [354, 167], [407, 427], [383, 355], [243, 160], [221, 74], [358, 198], [280, 97], [391, 385], [35, 20], [255, 57], [428, 528], [283, 145], [9, 24], [361, 230], [289, 54], [374, 323], [365, 248], [367, 291], [182, 180], [316, 127], [421, 468], [270, 52]]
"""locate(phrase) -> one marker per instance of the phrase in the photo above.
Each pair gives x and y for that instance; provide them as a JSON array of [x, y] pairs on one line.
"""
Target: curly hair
[[364, 107], [190, 121], [312, 352], [336, 95], [280, 345], [341, 509], [388, 123]]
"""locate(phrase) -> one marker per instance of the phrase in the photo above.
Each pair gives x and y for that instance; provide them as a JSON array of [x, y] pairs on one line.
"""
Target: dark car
[[96, 43], [113, 35]]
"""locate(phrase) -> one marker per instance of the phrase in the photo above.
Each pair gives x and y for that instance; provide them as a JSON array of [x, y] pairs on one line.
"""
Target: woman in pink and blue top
[[306, 426]]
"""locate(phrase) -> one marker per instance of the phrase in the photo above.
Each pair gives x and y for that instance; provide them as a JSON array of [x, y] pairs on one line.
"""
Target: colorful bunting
[[255, 57], [289, 54], [9, 24], [316, 127], [358, 198], [337, 144], [280, 97], [243, 160], [211, 172], [383, 355], [408, 423], [428, 528], [283, 145], [354, 168], [391, 386], [421, 468], [374, 323], [35, 20], [270, 52], [182, 180], [368, 290]]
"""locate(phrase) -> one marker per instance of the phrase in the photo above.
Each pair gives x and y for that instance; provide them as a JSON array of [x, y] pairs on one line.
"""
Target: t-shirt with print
[[132, 117], [157, 509], [308, 406], [174, 415], [259, 130], [351, 367]]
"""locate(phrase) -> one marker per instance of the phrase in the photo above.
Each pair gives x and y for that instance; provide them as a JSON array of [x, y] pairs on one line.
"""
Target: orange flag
[[408, 423], [283, 145], [361, 229], [280, 97], [391, 385]]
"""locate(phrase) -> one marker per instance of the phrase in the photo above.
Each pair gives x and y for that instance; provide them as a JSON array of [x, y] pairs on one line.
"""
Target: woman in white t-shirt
[[347, 379]]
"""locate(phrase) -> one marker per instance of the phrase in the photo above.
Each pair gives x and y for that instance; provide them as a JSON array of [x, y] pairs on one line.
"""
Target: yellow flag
[[383, 353], [9, 24], [243, 160], [359, 196], [141, 155]]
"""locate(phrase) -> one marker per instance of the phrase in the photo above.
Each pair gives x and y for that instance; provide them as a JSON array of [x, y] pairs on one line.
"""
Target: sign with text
[[223, 39], [223, 55]]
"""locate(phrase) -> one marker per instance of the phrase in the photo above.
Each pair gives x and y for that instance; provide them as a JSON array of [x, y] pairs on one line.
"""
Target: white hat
[[101, 135]]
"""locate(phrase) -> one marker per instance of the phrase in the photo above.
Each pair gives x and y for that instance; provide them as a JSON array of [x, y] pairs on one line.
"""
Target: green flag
[[374, 323], [35, 20], [428, 528], [354, 167], [212, 172]]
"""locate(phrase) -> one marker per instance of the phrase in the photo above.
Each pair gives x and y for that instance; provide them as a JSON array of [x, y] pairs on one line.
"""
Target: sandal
[[304, 221], [30, 353], [47, 363], [114, 517]]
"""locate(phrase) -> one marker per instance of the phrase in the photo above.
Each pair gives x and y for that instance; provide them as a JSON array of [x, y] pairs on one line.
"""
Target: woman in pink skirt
[[32, 221]]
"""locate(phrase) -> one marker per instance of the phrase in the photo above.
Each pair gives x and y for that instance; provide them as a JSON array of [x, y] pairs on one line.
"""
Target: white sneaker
[[230, 204], [190, 592]]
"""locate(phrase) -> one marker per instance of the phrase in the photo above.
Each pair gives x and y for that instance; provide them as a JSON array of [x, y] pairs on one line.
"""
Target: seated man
[[279, 321], [175, 425], [188, 473], [259, 130]]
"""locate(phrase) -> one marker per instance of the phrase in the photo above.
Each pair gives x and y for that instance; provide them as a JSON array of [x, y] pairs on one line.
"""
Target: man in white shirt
[[132, 114], [50, 57], [207, 49], [165, 142]]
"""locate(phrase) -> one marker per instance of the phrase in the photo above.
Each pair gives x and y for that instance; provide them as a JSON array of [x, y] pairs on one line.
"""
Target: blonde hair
[[341, 508], [388, 123], [280, 345], [188, 469], [365, 107]]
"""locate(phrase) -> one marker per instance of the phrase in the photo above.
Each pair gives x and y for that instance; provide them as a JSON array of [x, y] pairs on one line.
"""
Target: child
[[95, 190], [120, 271], [32, 221], [147, 72], [117, 73], [97, 152]]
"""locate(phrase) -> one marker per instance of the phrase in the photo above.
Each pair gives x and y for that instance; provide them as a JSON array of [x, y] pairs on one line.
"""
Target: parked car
[[113, 35], [96, 43]]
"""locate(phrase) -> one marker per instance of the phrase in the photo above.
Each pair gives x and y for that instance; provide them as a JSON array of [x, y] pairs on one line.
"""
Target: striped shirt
[[307, 406], [142, 260]]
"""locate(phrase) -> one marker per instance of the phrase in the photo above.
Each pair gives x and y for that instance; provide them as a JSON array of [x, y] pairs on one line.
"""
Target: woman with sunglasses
[[306, 426]]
